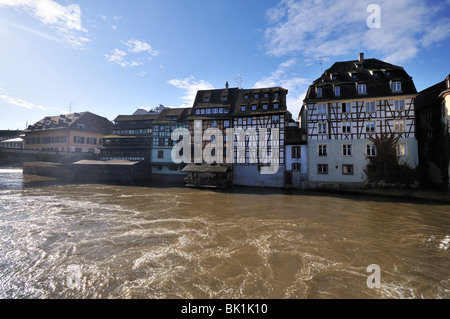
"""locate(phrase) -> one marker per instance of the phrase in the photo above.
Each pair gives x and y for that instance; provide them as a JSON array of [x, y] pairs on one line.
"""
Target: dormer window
[[396, 86], [224, 99], [353, 75], [246, 96], [254, 107], [337, 90], [256, 96], [362, 89], [319, 92], [206, 100], [243, 108], [276, 95]]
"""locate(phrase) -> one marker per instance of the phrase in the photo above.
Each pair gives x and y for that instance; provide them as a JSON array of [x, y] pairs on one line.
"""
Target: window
[[370, 127], [246, 96], [276, 119], [239, 121], [221, 110], [346, 107], [322, 151], [161, 142], [226, 123], [215, 111], [256, 96], [81, 127], [249, 121], [399, 105], [243, 108], [160, 154], [223, 98], [396, 86], [296, 167], [197, 112], [208, 111], [337, 90], [213, 124], [371, 150], [319, 92], [321, 109], [347, 169], [206, 100], [265, 106], [322, 169], [362, 89], [347, 150], [276, 95], [275, 105], [77, 140], [401, 149], [254, 107], [346, 127], [322, 128], [296, 152], [91, 141], [399, 125], [202, 111], [370, 106], [266, 95], [225, 111]]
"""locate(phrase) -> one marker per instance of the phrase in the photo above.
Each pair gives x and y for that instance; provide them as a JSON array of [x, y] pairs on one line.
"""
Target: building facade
[[261, 114], [296, 175], [351, 104], [76, 133], [163, 167], [131, 139], [433, 133]]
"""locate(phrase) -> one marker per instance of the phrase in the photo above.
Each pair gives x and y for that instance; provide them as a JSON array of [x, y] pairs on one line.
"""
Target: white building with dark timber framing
[[352, 102]]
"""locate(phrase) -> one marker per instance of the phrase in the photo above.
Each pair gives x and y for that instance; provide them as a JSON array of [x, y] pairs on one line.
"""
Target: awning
[[206, 168]]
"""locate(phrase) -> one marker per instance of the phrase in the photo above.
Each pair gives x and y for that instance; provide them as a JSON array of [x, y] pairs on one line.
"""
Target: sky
[[112, 57]]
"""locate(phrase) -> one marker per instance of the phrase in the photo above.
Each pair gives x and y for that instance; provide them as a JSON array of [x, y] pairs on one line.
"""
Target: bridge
[[20, 156]]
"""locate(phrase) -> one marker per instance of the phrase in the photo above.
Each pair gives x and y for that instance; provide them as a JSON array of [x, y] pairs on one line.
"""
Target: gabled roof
[[430, 95], [91, 122], [377, 75], [180, 113]]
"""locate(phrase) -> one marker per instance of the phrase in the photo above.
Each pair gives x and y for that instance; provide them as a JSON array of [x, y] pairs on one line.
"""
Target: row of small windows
[[347, 169], [399, 105], [254, 107], [216, 110], [47, 140], [265, 95], [82, 140], [370, 151], [360, 88], [370, 127], [144, 131]]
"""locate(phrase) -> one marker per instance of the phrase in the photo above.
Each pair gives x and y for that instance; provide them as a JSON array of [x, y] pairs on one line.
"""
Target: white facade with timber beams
[[348, 105]]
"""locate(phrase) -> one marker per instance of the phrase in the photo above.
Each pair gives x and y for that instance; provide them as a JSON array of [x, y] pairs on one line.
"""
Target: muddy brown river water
[[109, 241]]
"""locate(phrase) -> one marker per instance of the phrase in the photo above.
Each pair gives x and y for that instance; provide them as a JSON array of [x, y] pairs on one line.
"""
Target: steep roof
[[376, 74], [89, 121], [430, 95]]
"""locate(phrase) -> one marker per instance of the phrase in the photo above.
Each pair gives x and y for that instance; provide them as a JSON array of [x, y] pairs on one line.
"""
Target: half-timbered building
[[163, 167], [259, 122], [350, 104]]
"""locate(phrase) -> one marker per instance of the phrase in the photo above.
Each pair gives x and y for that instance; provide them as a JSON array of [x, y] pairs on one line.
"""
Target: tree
[[385, 166]]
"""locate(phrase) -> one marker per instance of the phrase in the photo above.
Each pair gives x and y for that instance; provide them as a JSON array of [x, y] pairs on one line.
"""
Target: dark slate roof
[[214, 99], [123, 122], [180, 113], [295, 136], [92, 122], [376, 74], [260, 100], [430, 95]]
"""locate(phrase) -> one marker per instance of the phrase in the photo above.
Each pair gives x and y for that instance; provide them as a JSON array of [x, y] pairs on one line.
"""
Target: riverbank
[[421, 195]]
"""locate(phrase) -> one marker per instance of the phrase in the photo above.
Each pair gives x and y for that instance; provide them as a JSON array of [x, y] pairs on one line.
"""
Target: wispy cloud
[[333, 28], [190, 86], [20, 103], [284, 77], [135, 47], [65, 20]]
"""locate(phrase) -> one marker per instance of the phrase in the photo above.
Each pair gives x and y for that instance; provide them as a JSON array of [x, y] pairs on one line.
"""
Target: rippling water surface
[[105, 241]]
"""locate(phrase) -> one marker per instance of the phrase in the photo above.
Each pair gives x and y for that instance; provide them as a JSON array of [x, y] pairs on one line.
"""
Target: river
[[107, 241]]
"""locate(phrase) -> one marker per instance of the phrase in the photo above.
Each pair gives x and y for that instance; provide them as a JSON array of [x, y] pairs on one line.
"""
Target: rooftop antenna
[[238, 79], [321, 63], [70, 108]]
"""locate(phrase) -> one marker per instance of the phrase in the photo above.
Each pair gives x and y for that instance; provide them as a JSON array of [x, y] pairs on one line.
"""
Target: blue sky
[[113, 57]]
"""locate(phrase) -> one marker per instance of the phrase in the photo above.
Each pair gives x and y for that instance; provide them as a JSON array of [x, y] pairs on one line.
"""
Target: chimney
[[226, 85], [361, 57]]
